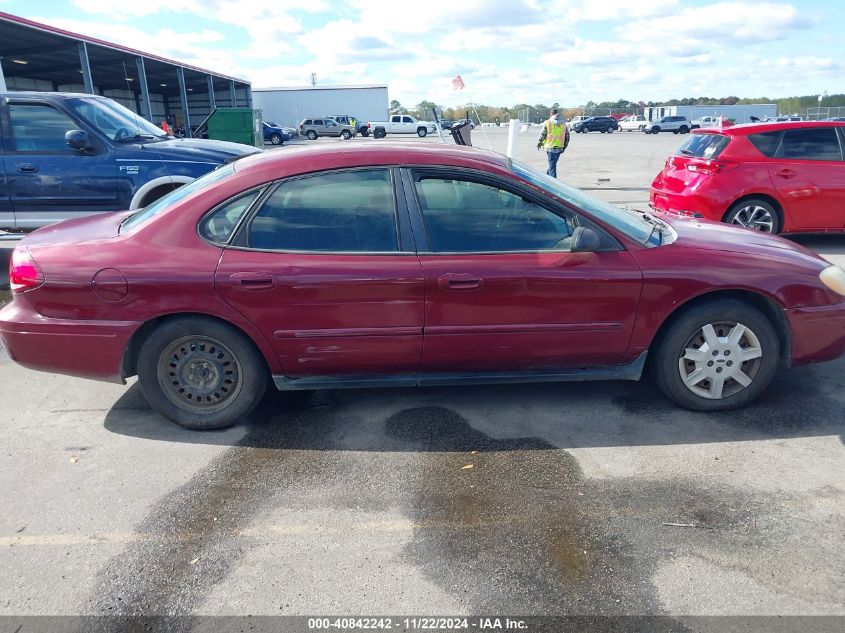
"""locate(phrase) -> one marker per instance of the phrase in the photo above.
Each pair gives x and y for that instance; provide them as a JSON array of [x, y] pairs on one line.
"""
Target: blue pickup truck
[[67, 155]]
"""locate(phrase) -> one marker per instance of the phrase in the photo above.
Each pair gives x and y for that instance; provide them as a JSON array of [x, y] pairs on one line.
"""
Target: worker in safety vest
[[554, 139]]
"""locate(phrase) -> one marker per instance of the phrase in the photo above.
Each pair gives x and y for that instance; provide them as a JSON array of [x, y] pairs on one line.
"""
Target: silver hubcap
[[199, 373], [754, 217], [719, 360]]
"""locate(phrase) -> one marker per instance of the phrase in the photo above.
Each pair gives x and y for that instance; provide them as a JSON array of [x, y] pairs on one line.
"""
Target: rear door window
[[704, 145], [350, 211], [811, 144]]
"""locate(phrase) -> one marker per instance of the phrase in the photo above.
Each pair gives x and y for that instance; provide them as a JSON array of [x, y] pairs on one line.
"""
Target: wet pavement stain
[[190, 548], [521, 531]]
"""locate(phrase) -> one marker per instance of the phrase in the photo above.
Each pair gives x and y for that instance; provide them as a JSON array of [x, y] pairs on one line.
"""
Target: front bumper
[[818, 333], [88, 349]]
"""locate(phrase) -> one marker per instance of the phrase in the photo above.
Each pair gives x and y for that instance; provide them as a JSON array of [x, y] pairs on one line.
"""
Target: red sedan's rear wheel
[[201, 373], [717, 356]]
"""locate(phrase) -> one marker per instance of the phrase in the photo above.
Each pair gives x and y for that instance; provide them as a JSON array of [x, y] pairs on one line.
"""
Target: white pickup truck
[[706, 121], [633, 123], [401, 124]]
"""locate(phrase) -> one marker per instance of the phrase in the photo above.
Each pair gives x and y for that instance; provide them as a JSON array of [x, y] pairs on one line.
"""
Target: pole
[[512, 131]]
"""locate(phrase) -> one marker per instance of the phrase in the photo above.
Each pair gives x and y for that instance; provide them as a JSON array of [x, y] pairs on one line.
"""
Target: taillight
[[711, 166], [24, 273]]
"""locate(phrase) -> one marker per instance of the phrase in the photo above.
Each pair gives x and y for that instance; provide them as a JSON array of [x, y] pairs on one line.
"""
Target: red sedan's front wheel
[[200, 373], [716, 357]]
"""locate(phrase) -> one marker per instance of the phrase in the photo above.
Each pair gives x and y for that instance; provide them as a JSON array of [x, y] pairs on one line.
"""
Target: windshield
[[113, 120], [176, 196], [631, 224]]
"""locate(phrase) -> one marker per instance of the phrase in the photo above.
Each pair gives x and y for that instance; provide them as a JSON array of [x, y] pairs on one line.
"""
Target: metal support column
[[211, 101], [183, 93], [232, 96], [86, 68], [146, 108], [2, 77]]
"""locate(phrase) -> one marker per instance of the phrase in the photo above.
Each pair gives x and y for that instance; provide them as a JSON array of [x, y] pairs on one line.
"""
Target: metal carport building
[[35, 56]]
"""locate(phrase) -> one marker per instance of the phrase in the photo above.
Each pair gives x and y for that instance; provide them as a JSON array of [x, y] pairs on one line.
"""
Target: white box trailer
[[289, 106], [735, 113]]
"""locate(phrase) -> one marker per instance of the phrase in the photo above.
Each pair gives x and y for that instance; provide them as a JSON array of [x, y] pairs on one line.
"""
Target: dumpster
[[236, 125]]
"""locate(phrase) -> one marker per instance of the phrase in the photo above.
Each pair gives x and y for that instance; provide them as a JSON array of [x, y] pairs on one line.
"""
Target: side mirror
[[585, 240], [78, 139]]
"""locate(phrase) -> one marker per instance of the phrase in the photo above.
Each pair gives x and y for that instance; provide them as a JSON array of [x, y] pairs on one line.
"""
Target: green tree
[[396, 108]]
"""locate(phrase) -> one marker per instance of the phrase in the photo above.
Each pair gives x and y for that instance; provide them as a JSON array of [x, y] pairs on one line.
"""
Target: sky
[[519, 51]]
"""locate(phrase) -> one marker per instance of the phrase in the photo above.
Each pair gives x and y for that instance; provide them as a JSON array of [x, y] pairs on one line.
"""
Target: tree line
[[538, 112]]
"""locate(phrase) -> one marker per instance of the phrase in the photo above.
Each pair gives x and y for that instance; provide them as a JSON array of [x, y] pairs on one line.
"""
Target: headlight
[[834, 278]]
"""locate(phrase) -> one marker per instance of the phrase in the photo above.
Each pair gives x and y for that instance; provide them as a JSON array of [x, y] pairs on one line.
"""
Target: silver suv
[[676, 124], [325, 126]]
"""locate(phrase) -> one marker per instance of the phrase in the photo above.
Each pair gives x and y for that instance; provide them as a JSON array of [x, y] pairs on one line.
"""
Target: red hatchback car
[[375, 265], [773, 177]]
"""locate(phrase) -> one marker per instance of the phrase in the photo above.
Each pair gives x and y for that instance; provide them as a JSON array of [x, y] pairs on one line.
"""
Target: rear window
[[704, 145], [767, 142]]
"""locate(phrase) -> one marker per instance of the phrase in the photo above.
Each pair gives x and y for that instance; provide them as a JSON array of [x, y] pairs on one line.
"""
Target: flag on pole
[[458, 83]]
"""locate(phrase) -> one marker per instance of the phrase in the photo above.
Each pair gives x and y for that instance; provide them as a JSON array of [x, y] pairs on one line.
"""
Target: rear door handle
[[785, 173], [252, 281], [27, 168], [459, 281]]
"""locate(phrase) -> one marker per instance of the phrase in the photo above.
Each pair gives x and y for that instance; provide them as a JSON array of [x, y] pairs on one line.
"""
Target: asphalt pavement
[[576, 498]]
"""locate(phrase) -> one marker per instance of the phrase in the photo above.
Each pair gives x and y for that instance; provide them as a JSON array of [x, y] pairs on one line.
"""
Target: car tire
[[379, 132], [683, 129], [365, 132], [756, 214], [275, 139], [421, 132], [655, 130], [610, 129], [312, 135], [200, 373], [641, 128], [346, 134], [724, 340]]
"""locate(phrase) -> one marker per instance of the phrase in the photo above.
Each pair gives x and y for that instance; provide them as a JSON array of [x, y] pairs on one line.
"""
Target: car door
[[46, 179], [395, 124], [503, 291], [409, 126], [326, 269], [809, 173], [7, 216]]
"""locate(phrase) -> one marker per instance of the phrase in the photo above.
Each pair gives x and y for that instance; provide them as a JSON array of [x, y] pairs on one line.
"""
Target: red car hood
[[88, 229], [717, 236]]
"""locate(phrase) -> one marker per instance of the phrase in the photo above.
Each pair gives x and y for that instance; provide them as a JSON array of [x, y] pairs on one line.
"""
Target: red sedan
[[375, 265], [773, 177]]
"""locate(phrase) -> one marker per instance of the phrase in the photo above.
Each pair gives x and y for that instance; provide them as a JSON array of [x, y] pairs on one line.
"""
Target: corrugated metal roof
[[46, 28]]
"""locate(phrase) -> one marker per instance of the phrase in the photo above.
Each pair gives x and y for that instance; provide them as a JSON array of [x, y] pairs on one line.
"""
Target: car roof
[[744, 129], [309, 158]]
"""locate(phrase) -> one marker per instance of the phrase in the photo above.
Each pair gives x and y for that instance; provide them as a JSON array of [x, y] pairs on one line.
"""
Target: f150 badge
[[129, 169]]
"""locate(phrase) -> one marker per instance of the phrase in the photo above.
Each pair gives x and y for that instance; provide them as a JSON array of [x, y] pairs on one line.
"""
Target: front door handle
[[786, 173], [252, 281], [27, 168], [459, 281]]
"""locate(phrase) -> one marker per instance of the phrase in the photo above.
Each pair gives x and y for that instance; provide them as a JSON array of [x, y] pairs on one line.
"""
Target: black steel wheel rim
[[199, 374]]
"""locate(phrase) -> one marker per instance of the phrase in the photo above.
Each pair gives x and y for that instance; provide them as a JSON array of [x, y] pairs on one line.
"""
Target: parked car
[[676, 124], [447, 125], [597, 124], [577, 119], [706, 121], [464, 122], [836, 118], [325, 126], [357, 124], [275, 133], [69, 155], [782, 118], [773, 177], [401, 124], [355, 266], [633, 122]]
